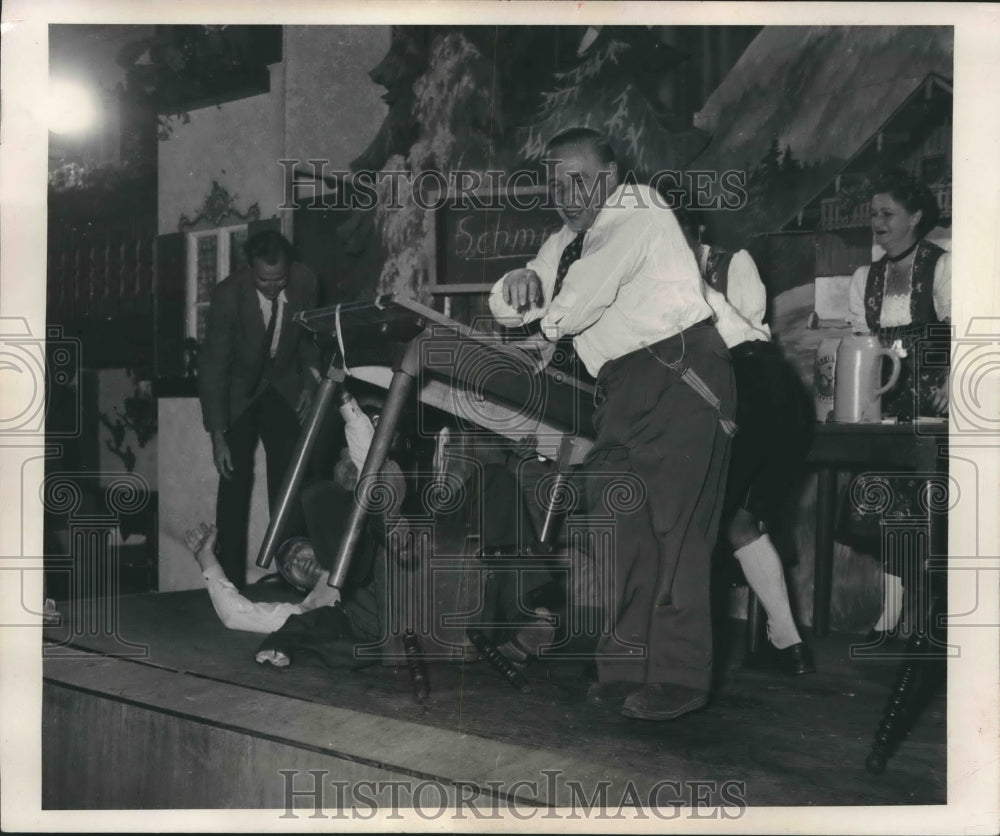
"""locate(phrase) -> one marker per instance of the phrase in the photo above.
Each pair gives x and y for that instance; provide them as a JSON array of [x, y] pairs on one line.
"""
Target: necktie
[[565, 355], [271, 325], [570, 253]]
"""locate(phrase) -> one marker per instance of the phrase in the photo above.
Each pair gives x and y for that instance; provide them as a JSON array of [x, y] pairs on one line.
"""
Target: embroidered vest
[[717, 270], [921, 291]]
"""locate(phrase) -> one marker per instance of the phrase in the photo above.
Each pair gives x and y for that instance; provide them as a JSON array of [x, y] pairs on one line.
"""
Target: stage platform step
[[170, 710], [120, 735]]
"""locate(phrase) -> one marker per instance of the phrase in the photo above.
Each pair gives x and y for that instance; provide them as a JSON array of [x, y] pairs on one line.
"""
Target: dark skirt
[[774, 415]]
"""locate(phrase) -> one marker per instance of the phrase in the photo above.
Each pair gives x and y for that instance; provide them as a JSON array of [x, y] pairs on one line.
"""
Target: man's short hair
[[288, 551], [588, 138], [270, 246]]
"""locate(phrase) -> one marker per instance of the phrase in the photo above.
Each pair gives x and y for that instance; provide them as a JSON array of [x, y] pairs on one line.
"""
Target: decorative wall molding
[[218, 209]]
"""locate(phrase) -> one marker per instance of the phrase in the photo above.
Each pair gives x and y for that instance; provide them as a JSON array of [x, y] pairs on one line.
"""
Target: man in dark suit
[[257, 372]]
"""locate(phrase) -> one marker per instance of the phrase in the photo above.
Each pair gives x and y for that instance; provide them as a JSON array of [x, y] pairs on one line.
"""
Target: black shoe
[[794, 660], [797, 659]]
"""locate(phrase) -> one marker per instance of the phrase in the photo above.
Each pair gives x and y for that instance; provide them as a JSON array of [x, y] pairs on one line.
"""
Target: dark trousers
[[272, 421], [663, 446]]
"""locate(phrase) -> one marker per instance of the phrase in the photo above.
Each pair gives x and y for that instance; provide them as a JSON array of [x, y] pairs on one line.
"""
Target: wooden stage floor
[[790, 740]]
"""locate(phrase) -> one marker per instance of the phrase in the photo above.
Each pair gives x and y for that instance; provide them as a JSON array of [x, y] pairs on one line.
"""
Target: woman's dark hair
[[270, 246], [909, 193]]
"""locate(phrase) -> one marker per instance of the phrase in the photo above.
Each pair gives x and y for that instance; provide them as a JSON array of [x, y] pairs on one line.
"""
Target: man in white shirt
[[327, 504], [296, 562], [621, 279], [305, 563]]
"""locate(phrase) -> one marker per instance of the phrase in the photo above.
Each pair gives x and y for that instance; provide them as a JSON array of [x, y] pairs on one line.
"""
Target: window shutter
[[170, 301]]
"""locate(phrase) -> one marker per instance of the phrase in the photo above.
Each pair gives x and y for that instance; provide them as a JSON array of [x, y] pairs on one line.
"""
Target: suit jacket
[[231, 368]]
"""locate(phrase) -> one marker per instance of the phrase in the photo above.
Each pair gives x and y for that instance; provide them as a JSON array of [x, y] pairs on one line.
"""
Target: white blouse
[[739, 315], [896, 305]]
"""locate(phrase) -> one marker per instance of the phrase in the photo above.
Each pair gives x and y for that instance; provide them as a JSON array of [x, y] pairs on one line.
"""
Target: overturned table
[[409, 348]]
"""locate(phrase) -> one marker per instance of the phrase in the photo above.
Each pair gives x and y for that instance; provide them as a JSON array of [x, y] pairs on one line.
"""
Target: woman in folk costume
[[774, 421], [904, 298]]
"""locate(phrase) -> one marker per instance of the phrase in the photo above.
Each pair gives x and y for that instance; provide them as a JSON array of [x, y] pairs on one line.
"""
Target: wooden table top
[[915, 445]]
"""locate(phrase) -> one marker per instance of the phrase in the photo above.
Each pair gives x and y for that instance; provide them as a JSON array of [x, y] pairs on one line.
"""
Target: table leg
[[826, 498], [556, 506], [289, 492], [756, 620], [400, 389]]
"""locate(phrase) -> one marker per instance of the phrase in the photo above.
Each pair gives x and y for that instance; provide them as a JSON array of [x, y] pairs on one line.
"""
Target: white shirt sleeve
[[745, 290], [237, 613], [727, 320], [942, 287], [593, 284], [545, 265], [856, 301], [358, 432]]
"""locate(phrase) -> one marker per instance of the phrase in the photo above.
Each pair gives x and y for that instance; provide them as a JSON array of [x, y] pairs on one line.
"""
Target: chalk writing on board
[[503, 237], [475, 246]]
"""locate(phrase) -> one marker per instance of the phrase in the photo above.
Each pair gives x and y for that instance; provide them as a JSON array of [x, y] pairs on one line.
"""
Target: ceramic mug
[[825, 376]]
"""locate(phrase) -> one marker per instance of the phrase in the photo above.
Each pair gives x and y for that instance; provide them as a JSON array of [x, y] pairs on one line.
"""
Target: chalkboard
[[476, 243]]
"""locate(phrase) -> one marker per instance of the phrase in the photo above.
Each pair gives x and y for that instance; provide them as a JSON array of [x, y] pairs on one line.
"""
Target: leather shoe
[[794, 660], [605, 694], [663, 701]]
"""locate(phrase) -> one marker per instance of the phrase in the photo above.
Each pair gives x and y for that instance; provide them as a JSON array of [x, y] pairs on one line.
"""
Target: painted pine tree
[[614, 88]]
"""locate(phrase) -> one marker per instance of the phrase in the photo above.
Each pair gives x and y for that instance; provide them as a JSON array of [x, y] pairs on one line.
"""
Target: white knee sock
[[762, 568], [892, 602]]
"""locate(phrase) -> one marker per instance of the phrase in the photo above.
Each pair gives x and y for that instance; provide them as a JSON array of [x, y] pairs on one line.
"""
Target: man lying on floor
[[327, 615], [295, 562], [354, 616], [300, 561]]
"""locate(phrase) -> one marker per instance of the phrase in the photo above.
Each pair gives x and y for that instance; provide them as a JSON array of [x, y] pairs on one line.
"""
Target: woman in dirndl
[[904, 298]]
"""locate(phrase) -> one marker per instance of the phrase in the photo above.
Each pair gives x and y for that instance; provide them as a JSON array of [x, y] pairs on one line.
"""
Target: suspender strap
[[702, 389], [693, 379]]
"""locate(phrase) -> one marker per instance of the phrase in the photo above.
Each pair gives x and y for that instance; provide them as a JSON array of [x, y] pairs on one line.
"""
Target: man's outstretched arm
[[235, 611]]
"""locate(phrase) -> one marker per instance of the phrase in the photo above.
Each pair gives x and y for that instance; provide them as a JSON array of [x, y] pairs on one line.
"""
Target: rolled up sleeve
[[238, 613], [544, 264]]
